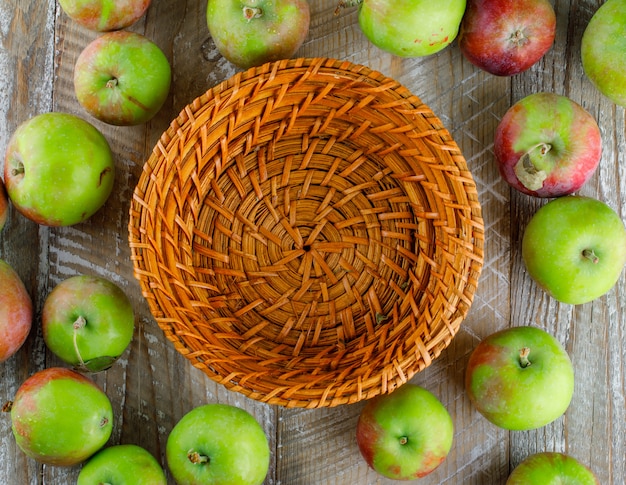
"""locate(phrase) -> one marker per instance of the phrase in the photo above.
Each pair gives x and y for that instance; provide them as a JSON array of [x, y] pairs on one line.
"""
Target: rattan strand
[[307, 233]]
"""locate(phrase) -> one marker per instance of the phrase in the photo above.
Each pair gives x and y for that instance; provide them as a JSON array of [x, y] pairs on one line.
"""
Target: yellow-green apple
[[252, 32], [4, 205], [218, 443], [60, 417], [520, 378], [16, 311], [122, 78], [574, 248], [410, 28], [406, 434], [603, 50], [88, 322], [58, 169], [550, 467], [122, 464], [547, 145], [105, 15], [504, 37]]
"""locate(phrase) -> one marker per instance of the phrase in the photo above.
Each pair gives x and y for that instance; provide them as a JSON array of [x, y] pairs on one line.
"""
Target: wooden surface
[[152, 386]]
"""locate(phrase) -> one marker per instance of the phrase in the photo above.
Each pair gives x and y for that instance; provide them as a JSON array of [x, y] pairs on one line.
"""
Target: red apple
[[506, 37], [520, 378], [122, 78], [4, 205], [60, 417], [547, 145], [105, 15], [406, 434], [551, 468], [252, 32], [87, 321], [16, 311]]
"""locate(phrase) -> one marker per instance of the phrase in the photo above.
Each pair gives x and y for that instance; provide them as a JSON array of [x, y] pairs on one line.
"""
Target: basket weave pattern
[[307, 233]]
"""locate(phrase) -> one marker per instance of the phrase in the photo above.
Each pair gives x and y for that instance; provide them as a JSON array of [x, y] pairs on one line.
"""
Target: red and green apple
[[122, 464], [60, 417], [574, 248], [88, 322], [252, 32], [58, 169], [520, 378], [406, 434], [122, 78], [603, 50], [550, 467], [218, 443], [105, 15], [504, 37], [410, 28], [16, 311], [547, 145]]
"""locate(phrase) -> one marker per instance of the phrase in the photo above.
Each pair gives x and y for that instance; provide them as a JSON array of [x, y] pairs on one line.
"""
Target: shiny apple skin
[[105, 15]]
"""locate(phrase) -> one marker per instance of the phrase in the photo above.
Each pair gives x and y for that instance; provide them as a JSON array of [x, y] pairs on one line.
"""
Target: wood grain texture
[[152, 386]]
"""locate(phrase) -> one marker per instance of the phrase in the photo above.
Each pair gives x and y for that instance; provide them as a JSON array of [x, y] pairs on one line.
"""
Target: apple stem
[[250, 13], [591, 256], [523, 357], [196, 458], [78, 325], [6, 407], [18, 169], [527, 173], [347, 4]]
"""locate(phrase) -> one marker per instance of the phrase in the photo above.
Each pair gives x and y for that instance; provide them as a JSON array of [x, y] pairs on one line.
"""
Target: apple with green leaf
[[88, 322], [406, 434], [547, 145], [520, 378], [122, 78], [552, 468], [105, 15], [58, 169], [218, 443], [16, 311], [574, 248], [122, 464], [60, 417]]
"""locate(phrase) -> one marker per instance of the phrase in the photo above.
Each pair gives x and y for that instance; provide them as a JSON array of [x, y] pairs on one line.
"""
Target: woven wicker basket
[[307, 233]]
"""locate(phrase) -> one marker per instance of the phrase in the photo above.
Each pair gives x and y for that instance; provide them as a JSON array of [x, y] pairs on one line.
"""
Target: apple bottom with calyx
[[547, 145], [87, 321], [58, 169], [603, 50], [574, 248], [16, 311], [122, 464], [122, 78], [551, 467], [60, 417], [520, 378], [217, 444], [406, 434]]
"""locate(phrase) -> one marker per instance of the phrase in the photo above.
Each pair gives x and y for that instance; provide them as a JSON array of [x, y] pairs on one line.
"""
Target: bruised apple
[[547, 145], [16, 311], [505, 37]]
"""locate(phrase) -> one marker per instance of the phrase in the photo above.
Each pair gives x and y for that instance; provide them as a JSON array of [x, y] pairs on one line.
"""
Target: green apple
[[122, 78], [406, 434], [603, 50], [574, 247], [60, 417], [216, 444], [411, 28], [58, 169], [548, 468], [16, 311], [252, 32], [122, 465], [520, 378], [87, 321]]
